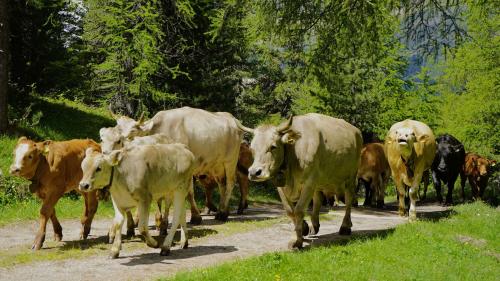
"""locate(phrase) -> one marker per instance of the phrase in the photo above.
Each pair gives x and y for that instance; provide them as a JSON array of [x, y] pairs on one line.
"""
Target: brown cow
[[54, 168], [476, 169], [374, 173], [245, 160]]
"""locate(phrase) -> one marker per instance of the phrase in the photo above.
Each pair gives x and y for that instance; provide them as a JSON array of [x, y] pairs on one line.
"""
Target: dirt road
[[144, 263]]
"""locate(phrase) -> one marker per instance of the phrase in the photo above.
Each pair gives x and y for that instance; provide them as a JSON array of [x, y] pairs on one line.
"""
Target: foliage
[[444, 249], [470, 84]]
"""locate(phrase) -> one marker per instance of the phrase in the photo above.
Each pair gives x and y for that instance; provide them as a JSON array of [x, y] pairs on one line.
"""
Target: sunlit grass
[[465, 246]]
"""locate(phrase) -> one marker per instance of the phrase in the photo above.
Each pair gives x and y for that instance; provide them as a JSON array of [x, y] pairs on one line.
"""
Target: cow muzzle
[[15, 171], [257, 174], [84, 186]]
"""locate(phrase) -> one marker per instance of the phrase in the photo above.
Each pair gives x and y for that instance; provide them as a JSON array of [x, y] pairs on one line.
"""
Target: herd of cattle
[[309, 157]]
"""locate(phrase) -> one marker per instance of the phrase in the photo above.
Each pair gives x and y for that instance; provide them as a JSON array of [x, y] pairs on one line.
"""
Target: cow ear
[[422, 138], [493, 163], [23, 138], [46, 147], [115, 157], [89, 151], [290, 137]]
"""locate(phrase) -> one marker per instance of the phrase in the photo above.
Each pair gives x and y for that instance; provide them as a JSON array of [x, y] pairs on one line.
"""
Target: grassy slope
[[465, 246]]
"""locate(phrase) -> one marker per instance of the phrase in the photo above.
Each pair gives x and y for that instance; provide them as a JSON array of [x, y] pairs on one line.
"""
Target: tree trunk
[[4, 64]]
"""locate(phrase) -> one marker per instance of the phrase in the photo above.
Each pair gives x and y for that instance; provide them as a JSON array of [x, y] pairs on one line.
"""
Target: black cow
[[450, 157]]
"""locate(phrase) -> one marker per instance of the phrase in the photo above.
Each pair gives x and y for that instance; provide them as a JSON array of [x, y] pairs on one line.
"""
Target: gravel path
[[145, 263]]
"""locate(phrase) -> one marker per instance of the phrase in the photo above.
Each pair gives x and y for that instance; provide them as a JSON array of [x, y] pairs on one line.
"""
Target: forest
[[371, 63]]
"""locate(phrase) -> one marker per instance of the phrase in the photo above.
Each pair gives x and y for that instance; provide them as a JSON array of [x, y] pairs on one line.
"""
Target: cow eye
[[30, 157], [273, 147], [98, 169]]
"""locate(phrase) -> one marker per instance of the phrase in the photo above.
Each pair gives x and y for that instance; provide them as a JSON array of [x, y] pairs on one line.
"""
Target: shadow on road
[[176, 253]]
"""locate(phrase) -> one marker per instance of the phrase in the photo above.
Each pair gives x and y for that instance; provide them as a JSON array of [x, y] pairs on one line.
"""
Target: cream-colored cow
[[137, 176], [410, 148]]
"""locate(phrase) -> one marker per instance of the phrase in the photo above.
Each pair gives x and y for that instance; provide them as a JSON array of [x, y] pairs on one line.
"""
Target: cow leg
[[379, 191], [243, 183], [116, 230], [195, 212], [401, 191], [368, 193], [413, 198], [225, 194], [90, 210], [426, 184], [473, 187], [166, 211], [317, 201], [437, 186], [451, 184], [209, 204], [45, 214], [130, 225], [298, 215], [463, 179], [178, 202], [56, 226], [158, 215], [184, 230], [345, 228], [143, 211]]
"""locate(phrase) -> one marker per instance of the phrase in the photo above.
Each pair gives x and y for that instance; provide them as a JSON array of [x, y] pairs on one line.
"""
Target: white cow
[[214, 139], [137, 176], [315, 154]]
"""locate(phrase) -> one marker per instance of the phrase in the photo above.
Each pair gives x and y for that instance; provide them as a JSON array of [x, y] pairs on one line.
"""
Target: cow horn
[[113, 115], [141, 119], [243, 128], [285, 126]]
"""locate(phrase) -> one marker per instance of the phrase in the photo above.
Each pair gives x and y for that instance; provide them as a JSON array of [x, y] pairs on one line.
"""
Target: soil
[[145, 263]]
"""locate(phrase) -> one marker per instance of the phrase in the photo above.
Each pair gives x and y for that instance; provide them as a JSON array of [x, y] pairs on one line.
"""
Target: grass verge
[[465, 246]]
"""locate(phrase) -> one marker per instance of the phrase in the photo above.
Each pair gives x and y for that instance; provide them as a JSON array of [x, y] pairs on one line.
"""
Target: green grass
[[465, 246]]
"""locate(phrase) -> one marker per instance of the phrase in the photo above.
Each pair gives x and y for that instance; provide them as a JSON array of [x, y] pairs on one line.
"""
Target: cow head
[[27, 155], [483, 165], [446, 154], [268, 148], [111, 139], [130, 128], [97, 168]]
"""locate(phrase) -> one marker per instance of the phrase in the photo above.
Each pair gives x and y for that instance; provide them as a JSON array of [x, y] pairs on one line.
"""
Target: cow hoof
[[355, 203], [165, 252], [37, 245], [412, 217], [314, 230], [295, 245], [221, 216], [380, 204], [113, 255], [240, 211], [130, 233], [305, 228], [185, 245], [345, 230], [195, 220], [58, 237], [111, 240]]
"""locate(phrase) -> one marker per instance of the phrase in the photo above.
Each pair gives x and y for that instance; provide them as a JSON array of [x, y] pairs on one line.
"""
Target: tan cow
[[138, 175], [315, 154], [213, 138], [374, 173], [54, 169], [244, 162], [410, 148]]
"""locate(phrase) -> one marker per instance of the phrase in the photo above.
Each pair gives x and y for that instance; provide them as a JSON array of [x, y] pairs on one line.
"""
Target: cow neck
[[410, 164], [110, 178], [35, 180]]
